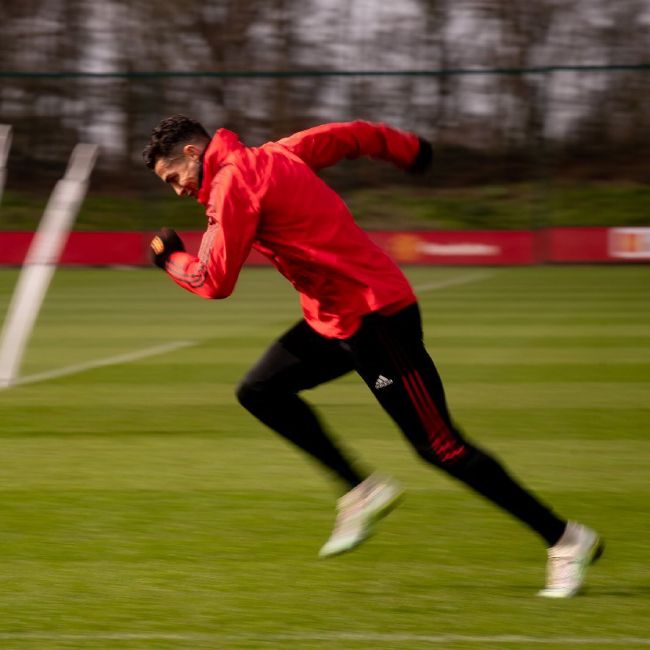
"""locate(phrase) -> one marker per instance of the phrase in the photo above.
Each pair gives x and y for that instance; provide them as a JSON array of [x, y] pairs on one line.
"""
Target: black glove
[[163, 245], [424, 158]]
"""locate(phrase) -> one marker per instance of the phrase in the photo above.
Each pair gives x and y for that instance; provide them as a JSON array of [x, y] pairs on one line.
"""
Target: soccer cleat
[[358, 511], [568, 560]]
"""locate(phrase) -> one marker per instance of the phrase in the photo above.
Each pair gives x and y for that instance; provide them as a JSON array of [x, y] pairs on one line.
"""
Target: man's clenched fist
[[423, 159], [163, 245]]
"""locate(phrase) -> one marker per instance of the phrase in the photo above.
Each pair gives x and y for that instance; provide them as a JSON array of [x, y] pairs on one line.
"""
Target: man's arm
[[226, 244], [325, 145]]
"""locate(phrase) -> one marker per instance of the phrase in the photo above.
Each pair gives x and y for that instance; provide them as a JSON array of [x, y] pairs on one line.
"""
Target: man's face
[[181, 171]]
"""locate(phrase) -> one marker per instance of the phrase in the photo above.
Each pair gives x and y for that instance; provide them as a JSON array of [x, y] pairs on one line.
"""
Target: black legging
[[388, 353]]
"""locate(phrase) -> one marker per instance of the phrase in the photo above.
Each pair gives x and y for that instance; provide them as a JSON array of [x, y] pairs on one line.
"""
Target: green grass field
[[143, 508]]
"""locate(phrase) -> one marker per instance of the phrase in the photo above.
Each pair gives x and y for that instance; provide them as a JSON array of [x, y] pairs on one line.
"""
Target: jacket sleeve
[[233, 213], [325, 145]]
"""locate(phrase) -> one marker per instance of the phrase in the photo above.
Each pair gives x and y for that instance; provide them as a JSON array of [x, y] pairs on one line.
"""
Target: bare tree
[[242, 43]]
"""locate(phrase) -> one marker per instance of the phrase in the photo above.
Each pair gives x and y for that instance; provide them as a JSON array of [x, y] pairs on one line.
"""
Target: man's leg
[[300, 359], [390, 356]]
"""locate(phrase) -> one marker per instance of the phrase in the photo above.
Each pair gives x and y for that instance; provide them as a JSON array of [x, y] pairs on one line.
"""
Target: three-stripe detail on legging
[[442, 440]]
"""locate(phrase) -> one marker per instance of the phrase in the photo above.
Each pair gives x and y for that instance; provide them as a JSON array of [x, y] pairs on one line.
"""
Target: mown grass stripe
[[511, 639]]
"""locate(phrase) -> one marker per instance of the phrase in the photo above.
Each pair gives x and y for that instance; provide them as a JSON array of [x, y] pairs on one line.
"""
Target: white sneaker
[[568, 560], [358, 511]]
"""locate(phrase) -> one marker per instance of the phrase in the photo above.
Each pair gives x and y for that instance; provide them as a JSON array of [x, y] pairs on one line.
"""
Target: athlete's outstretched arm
[[325, 145]]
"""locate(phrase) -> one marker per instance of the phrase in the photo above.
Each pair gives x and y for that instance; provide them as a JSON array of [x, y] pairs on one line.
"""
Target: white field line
[[372, 637], [466, 278], [100, 363]]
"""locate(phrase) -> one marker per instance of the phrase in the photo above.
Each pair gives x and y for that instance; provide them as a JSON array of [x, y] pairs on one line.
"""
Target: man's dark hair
[[170, 133]]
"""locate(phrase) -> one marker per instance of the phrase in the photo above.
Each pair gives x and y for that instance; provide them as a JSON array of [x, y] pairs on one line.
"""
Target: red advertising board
[[457, 247], [569, 245], [13, 247], [597, 245], [104, 248], [575, 245]]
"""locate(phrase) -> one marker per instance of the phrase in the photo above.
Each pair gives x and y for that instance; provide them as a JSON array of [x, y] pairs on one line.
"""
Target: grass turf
[[143, 508]]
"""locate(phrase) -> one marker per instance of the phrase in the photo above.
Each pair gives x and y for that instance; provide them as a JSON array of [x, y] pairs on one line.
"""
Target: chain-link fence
[[513, 146]]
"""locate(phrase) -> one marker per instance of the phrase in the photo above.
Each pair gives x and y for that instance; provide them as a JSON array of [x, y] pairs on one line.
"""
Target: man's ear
[[192, 151]]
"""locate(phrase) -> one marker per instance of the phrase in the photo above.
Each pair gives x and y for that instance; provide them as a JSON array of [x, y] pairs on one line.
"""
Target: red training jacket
[[269, 198]]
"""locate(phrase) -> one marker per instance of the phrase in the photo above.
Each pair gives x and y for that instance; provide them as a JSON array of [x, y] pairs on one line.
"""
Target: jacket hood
[[223, 143]]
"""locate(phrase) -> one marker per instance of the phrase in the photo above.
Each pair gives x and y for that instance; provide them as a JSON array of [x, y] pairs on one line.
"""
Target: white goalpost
[[5, 144], [42, 257]]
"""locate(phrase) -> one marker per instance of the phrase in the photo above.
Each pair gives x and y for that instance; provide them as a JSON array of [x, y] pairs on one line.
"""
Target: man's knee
[[252, 392], [452, 458], [249, 393]]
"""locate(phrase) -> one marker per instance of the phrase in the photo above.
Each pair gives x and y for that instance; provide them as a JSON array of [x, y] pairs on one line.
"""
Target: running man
[[359, 313]]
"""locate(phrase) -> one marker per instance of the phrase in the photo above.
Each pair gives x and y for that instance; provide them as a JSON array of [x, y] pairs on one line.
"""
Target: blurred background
[[538, 111]]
